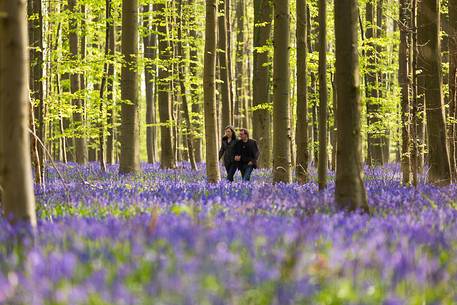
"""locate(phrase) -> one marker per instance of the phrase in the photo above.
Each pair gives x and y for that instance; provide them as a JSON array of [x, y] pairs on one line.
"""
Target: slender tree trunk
[[281, 93], [404, 86], [209, 86], [452, 9], [301, 133], [15, 165], [228, 26], [414, 115], [224, 68], [195, 99], [263, 14], [350, 192], [323, 95], [182, 83], [110, 95], [374, 134], [430, 64], [81, 152], [130, 152], [36, 83], [150, 69], [239, 68], [167, 156]]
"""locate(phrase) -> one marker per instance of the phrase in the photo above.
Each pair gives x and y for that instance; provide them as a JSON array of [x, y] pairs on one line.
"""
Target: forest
[[228, 152]]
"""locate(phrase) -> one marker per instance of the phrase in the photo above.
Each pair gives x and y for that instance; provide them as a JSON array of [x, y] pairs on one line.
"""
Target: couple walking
[[241, 154]]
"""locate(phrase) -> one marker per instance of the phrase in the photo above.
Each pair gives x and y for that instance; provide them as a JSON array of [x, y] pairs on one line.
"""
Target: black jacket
[[249, 152], [227, 150]]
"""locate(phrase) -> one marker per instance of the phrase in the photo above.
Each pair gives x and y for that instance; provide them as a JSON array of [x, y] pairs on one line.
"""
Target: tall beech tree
[[281, 93], [301, 133], [350, 193], [430, 65], [130, 148], [81, 151], [150, 74], [323, 95], [167, 156], [261, 127], [403, 79], [209, 89], [452, 9], [224, 67], [16, 182]]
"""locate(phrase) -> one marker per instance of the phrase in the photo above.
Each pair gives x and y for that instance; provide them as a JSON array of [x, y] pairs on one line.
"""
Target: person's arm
[[256, 152], [237, 150], [221, 151]]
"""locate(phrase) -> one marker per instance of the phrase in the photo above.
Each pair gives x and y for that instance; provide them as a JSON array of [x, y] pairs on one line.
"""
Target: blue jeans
[[246, 171], [231, 170]]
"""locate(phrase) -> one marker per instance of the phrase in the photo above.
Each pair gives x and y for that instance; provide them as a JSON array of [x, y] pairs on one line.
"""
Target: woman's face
[[228, 133]]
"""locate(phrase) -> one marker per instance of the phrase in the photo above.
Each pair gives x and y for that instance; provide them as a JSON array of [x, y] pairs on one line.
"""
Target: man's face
[[243, 135]]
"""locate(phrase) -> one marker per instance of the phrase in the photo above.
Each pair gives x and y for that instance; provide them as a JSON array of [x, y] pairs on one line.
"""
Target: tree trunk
[[374, 134], [182, 83], [239, 68], [224, 68], [263, 14], [109, 94], [18, 199], [430, 64], [150, 69], [281, 95], [36, 82], [323, 95], [195, 99], [404, 86], [209, 86], [301, 133], [81, 152], [130, 153], [453, 80], [350, 192], [167, 156]]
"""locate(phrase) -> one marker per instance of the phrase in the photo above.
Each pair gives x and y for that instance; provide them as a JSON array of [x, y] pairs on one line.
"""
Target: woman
[[227, 150]]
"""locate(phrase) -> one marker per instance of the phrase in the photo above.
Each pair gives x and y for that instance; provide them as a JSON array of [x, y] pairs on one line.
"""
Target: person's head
[[229, 133], [244, 134]]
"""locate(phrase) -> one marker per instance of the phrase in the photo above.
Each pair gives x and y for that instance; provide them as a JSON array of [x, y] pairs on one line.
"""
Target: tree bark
[[150, 72], [224, 68], [18, 199], [453, 80], [130, 152], [36, 83], [350, 192], [109, 94], [323, 95], [281, 95], [209, 86], [182, 84], [430, 64], [81, 152], [403, 80], [239, 67], [301, 133], [374, 134], [167, 156], [263, 14]]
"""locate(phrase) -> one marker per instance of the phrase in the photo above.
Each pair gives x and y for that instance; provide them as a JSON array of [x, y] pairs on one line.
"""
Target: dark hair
[[233, 133], [244, 130]]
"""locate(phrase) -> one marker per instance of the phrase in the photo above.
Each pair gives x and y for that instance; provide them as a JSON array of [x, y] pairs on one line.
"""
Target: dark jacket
[[227, 150], [249, 152]]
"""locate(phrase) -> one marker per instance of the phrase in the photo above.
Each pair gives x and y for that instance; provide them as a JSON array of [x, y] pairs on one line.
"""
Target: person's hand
[[237, 158], [250, 163]]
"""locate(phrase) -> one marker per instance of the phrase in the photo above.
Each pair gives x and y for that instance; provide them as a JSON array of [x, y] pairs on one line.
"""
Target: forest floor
[[168, 237]]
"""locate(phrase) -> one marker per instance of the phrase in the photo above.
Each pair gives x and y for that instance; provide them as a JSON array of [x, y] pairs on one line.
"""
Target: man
[[247, 154]]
